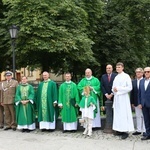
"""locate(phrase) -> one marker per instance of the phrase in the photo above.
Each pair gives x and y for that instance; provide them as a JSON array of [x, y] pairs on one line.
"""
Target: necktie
[[108, 77]]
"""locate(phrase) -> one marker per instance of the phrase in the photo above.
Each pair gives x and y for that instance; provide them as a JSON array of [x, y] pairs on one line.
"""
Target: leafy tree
[[4, 59], [124, 34], [52, 33], [73, 35], [94, 9]]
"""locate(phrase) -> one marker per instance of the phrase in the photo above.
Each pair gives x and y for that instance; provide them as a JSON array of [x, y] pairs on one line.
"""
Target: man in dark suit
[[134, 102], [144, 101], [106, 83]]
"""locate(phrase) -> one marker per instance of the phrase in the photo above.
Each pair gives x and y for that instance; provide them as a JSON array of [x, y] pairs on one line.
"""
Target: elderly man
[[134, 102], [122, 118], [9, 90], [144, 101], [68, 101], [107, 81], [94, 84], [46, 102]]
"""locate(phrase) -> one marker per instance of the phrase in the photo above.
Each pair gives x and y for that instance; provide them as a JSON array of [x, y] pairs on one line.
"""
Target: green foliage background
[[71, 35]]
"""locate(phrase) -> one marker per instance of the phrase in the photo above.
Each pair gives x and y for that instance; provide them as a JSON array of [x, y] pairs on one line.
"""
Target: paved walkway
[[37, 140]]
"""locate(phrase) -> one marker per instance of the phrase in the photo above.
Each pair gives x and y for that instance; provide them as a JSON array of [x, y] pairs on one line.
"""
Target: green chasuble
[[90, 100], [25, 114], [93, 82], [68, 97], [45, 98]]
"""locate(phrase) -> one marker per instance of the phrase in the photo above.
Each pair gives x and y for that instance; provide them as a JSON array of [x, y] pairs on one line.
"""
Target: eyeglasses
[[146, 71]]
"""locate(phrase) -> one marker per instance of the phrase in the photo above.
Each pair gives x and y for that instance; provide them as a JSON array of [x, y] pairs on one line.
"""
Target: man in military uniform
[[9, 89]]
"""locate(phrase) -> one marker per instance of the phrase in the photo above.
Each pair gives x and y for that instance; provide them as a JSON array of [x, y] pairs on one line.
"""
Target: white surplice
[[47, 125], [122, 118]]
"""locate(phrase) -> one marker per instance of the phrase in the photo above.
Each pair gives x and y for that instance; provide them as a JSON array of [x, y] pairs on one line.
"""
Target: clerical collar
[[68, 81], [46, 80], [89, 78], [24, 84]]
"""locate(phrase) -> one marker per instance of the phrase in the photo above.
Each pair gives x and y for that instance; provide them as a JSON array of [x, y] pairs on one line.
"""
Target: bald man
[[106, 83], [144, 101], [46, 102], [94, 84]]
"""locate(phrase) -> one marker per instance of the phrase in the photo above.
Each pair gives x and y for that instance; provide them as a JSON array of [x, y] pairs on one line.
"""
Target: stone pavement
[[37, 140]]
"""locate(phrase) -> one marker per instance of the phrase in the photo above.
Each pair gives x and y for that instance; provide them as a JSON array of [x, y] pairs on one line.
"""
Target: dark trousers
[[146, 114]]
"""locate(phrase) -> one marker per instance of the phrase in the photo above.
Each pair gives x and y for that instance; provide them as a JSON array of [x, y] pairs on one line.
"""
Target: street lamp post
[[13, 33], [109, 117]]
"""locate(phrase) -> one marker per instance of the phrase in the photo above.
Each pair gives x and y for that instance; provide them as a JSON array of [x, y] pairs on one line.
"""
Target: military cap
[[8, 73]]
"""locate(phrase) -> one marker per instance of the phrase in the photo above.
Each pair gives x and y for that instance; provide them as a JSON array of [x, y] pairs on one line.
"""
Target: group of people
[[20, 102], [126, 94]]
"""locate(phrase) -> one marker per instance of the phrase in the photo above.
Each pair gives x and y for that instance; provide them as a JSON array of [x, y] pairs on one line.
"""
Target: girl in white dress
[[88, 108]]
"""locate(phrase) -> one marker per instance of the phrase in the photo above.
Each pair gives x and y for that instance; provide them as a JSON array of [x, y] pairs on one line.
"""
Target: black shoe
[[145, 138], [144, 134], [1, 127], [124, 136], [136, 133], [23, 130], [14, 129], [7, 128], [117, 133], [51, 130], [64, 131], [73, 131], [43, 130], [27, 130]]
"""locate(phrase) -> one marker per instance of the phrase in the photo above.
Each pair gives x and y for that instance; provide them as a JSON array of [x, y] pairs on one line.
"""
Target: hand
[[27, 101], [115, 89], [91, 104], [54, 104], [140, 106], [60, 106], [102, 108], [133, 105], [1, 104], [23, 102], [76, 105], [91, 88], [109, 96]]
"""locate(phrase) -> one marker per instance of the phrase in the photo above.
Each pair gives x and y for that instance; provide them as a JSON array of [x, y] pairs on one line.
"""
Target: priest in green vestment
[[24, 100], [46, 100], [68, 101], [95, 91]]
